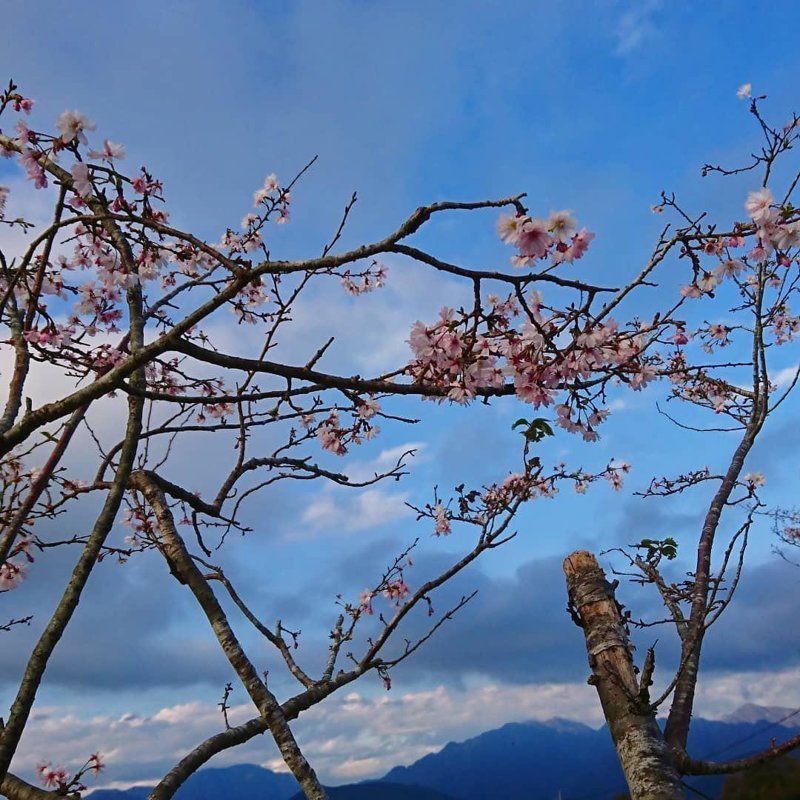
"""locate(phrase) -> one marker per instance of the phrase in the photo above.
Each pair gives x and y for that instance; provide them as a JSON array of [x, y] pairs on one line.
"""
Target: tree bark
[[645, 757]]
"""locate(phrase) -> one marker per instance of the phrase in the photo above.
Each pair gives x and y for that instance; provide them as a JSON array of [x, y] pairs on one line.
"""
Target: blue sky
[[595, 107]]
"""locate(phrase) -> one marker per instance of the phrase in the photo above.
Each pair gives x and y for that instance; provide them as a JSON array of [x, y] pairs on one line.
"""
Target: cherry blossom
[[754, 479], [365, 602], [11, 575], [52, 777], [442, 521], [72, 125], [562, 226], [110, 151], [396, 590], [80, 179], [759, 206]]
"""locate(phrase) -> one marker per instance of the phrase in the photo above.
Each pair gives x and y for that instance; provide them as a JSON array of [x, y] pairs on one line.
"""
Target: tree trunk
[[646, 759]]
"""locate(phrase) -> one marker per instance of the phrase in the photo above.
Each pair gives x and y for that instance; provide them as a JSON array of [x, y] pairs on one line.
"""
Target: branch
[[691, 766], [40, 657], [15, 788], [322, 380], [186, 571]]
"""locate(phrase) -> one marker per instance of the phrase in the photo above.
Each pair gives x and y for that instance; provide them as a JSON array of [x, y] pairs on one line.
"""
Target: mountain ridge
[[517, 761]]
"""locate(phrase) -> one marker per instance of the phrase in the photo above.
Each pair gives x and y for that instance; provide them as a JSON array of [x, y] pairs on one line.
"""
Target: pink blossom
[[110, 151], [330, 435], [442, 522], [533, 240], [708, 282], [72, 125], [729, 268], [743, 92], [25, 135], [562, 225], [580, 244], [11, 575], [96, 764], [23, 104], [396, 590], [139, 184], [270, 185], [30, 161], [369, 408], [714, 246], [680, 336], [615, 479], [719, 332], [759, 206], [509, 227], [80, 179], [52, 776], [365, 602], [759, 253], [755, 479], [785, 236]]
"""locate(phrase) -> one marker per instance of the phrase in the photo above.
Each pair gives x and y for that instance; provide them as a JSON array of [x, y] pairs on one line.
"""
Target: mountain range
[[520, 761]]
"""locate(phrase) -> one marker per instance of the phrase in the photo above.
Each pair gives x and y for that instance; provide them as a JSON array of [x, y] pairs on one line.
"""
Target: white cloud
[[719, 695], [636, 25], [783, 377], [340, 511], [386, 460], [356, 735]]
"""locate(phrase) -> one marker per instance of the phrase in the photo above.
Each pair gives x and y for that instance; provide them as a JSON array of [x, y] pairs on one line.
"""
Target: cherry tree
[[725, 368], [126, 309]]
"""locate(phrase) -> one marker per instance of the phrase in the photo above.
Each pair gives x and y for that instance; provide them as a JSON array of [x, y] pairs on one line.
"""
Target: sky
[[592, 106]]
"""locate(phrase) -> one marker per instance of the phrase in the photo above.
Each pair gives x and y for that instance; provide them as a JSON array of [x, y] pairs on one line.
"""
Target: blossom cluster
[[60, 779], [539, 355], [13, 569], [369, 279], [556, 237], [335, 437]]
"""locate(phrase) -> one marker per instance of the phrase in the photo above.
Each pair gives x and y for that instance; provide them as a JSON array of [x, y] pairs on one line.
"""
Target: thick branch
[[691, 766], [15, 788], [186, 571], [646, 759]]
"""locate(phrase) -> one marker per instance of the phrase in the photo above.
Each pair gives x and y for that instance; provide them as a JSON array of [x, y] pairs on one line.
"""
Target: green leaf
[[536, 429]]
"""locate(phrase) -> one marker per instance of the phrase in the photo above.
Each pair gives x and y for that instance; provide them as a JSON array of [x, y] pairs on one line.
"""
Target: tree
[[120, 303], [742, 389]]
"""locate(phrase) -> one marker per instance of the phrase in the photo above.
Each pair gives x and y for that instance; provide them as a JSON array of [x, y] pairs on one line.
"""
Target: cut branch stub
[[646, 759]]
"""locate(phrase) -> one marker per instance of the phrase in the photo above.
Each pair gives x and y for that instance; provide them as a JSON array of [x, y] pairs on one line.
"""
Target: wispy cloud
[[339, 511], [783, 377], [636, 25]]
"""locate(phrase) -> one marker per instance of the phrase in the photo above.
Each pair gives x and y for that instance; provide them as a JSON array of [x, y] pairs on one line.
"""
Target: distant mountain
[[520, 761], [751, 713], [540, 759], [241, 782]]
